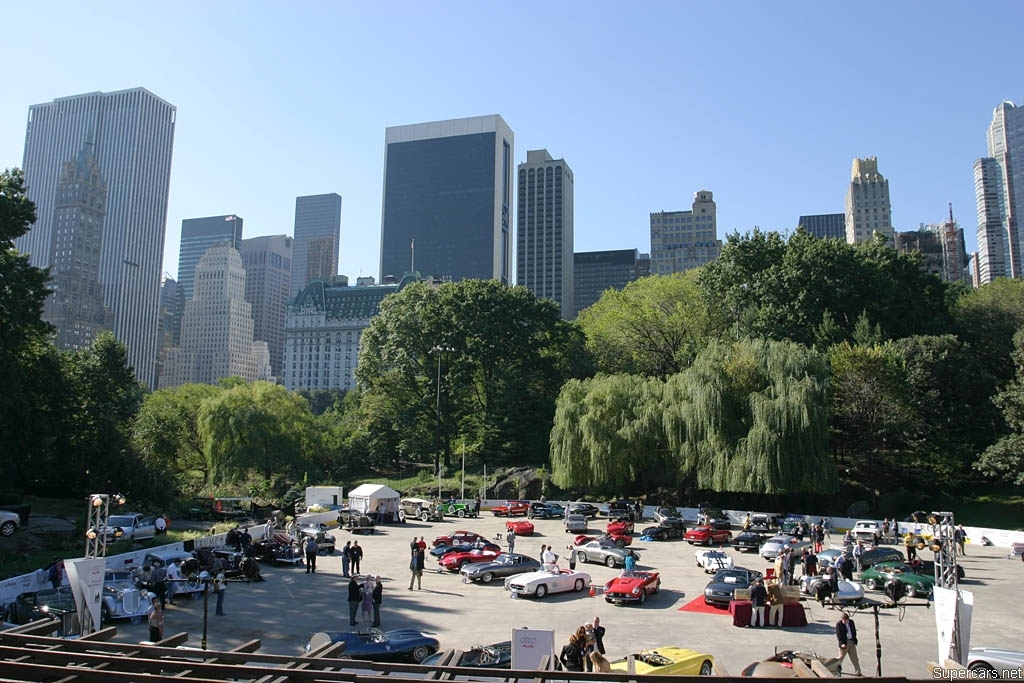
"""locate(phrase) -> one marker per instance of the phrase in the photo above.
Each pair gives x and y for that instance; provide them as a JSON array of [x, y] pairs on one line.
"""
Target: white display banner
[[529, 646], [85, 576], [949, 609]]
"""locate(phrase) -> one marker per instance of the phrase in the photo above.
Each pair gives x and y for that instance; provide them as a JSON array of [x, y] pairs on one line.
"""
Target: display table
[[792, 613]]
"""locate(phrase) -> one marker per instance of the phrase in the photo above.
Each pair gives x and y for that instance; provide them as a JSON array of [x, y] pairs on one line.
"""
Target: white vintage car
[[122, 598], [711, 560], [850, 592], [543, 582]]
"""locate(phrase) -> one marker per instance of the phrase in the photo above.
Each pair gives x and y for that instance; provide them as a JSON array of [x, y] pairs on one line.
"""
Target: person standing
[[758, 598], [378, 597], [846, 635], [357, 556], [629, 564], [312, 548], [572, 560], [158, 578], [960, 536], [346, 558], [510, 538], [367, 602], [355, 597], [156, 622], [599, 632], [908, 543], [775, 608], [572, 653], [219, 586], [421, 544], [416, 567], [160, 525], [173, 577], [549, 560]]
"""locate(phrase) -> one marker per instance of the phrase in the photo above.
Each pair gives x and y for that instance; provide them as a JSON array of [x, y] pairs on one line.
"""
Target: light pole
[[440, 351], [96, 524]]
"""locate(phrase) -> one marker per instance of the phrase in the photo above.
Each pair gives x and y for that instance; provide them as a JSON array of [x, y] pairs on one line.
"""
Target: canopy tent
[[372, 499]]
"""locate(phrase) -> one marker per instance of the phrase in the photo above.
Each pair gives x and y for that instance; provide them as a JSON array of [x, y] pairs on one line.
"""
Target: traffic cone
[[593, 591]]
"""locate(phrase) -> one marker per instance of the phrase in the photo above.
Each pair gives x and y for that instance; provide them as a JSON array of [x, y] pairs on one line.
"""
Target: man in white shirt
[[550, 560], [173, 576]]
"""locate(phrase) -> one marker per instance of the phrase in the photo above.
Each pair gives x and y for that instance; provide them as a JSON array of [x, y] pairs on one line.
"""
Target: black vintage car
[[663, 532], [318, 532], [748, 540], [585, 509]]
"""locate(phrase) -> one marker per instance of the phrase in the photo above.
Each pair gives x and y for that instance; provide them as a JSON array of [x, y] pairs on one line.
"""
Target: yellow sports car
[[667, 661]]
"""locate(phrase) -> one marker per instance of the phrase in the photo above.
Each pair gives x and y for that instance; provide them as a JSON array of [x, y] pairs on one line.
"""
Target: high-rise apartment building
[[198, 235], [683, 240], [217, 328], [999, 193], [825, 225], [268, 273], [544, 239], [597, 271], [447, 208], [75, 306], [868, 210], [317, 238], [167, 321], [133, 136]]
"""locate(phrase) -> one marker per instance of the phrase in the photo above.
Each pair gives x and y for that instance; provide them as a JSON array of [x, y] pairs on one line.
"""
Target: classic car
[[511, 508], [748, 540], [188, 584], [281, 547], [575, 524], [716, 518], [505, 564], [480, 544], [621, 508], [713, 560], [866, 530], [1008, 663], [495, 656], [586, 509], [707, 535], [9, 521], [542, 583], [667, 661], [789, 523], [456, 538], [668, 516], [520, 527], [459, 508], [867, 558], [418, 508], [620, 527], [916, 583], [632, 586], [546, 510], [404, 644], [663, 533], [359, 522], [723, 584], [130, 526], [619, 540], [603, 552], [454, 562], [324, 540], [850, 592], [761, 522], [122, 598], [774, 545], [792, 664]]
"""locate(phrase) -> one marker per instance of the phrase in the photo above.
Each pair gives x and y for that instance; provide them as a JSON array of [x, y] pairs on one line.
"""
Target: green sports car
[[916, 583]]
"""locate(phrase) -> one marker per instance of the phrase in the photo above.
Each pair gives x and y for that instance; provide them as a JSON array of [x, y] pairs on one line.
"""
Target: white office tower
[[683, 240], [999, 194], [216, 330], [133, 135], [868, 210]]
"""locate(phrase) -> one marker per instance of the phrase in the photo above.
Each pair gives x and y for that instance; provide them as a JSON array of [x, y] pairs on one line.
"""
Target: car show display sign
[[529, 646], [85, 576], [953, 613]]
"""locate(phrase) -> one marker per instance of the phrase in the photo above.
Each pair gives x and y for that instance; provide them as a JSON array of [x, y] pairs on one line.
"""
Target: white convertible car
[[850, 592], [542, 583], [713, 560]]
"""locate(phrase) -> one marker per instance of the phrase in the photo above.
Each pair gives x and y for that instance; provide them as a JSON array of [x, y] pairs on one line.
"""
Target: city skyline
[[757, 122]]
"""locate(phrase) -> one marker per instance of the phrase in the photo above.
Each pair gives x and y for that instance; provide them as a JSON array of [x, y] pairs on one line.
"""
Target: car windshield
[[504, 558], [120, 520], [730, 576]]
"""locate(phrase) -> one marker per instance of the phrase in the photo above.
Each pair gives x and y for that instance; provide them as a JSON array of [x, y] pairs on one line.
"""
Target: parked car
[[576, 524], [761, 522], [915, 583], [722, 586], [586, 509], [130, 526], [546, 510], [122, 598], [418, 508], [668, 516], [521, 527], [505, 564], [667, 661], [781, 665], [511, 508], [9, 522], [318, 532], [281, 547], [713, 560], [456, 538], [707, 535], [543, 583], [1008, 663], [603, 552], [870, 558], [459, 508], [187, 585], [620, 526], [716, 518], [621, 507], [866, 530], [404, 644], [634, 586], [495, 656], [748, 540], [774, 545], [479, 544], [618, 540], [850, 592], [663, 533], [454, 562]]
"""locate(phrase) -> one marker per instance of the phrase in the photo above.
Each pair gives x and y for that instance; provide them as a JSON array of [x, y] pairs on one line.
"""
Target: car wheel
[[487, 577], [871, 584], [424, 517], [620, 543], [709, 542], [542, 590], [643, 597], [657, 587], [104, 614], [981, 666], [461, 513], [579, 585], [581, 557], [911, 591], [420, 653], [610, 561], [705, 668], [7, 528]]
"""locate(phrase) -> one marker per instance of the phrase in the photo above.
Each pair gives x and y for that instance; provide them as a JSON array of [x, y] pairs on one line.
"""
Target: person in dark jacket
[[355, 597], [378, 597], [758, 598], [356, 554], [846, 635], [572, 653], [416, 567]]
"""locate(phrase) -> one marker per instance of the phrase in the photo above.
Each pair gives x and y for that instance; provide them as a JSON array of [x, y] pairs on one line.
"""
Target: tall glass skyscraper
[[999, 194], [133, 136], [448, 199], [316, 240], [198, 235]]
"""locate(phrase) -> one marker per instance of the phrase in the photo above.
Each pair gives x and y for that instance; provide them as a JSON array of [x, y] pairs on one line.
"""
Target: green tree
[[166, 433], [987, 319], [654, 327], [1004, 459]]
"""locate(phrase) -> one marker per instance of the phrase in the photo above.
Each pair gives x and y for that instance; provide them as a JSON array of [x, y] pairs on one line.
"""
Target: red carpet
[[698, 605]]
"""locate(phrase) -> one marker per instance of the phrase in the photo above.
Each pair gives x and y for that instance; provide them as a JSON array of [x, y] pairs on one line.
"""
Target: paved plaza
[[290, 605]]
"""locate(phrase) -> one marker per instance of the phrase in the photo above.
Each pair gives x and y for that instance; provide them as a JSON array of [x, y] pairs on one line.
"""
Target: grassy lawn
[[993, 511]]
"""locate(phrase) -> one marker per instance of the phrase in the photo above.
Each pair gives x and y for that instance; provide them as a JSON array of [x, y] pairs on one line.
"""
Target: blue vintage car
[[405, 645]]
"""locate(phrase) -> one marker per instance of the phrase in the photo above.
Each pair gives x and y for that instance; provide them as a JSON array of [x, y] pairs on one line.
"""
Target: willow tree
[[751, 417]]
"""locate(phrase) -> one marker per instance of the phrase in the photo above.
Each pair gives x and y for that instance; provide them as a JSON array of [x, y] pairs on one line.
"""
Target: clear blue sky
[[764, 103]]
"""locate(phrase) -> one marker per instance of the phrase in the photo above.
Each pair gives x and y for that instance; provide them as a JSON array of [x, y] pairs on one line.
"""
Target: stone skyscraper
[[999, 194], [198, 235], [268, 273], [544, 238], [133, 136], [683, 240], [868, 209], [317, 237], [447, 207]]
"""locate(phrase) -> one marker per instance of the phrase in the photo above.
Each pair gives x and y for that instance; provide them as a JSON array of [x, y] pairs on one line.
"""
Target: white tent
[[373, 499]]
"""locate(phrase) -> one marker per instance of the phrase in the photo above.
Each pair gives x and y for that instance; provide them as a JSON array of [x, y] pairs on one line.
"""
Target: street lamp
[[440, 351]]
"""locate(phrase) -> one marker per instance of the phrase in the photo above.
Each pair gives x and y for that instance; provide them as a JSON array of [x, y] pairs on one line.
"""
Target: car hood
[[628, 583], [676, 656]]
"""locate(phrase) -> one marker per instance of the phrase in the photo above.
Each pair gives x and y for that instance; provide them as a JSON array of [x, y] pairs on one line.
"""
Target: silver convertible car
[[506, 564], [122, 598], [542, 583], [1008, 663], [604, 552]]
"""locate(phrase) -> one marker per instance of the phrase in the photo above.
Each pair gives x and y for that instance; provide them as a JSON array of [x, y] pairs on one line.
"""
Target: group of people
[[549, 560], [762, 596], [369, 596], [585, 649]]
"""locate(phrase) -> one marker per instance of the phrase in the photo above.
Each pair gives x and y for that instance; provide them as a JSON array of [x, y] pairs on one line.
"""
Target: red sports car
[[632, 586], [457, 537], [620, 526], [521, 527], [511, 508], [453, 562], [707, 535], [620, 540]]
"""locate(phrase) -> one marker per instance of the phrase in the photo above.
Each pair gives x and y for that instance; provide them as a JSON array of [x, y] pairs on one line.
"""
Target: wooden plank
[[802, 670], [820, 669], [172, 641], [251, 646], [38, 627], [102, 635]]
